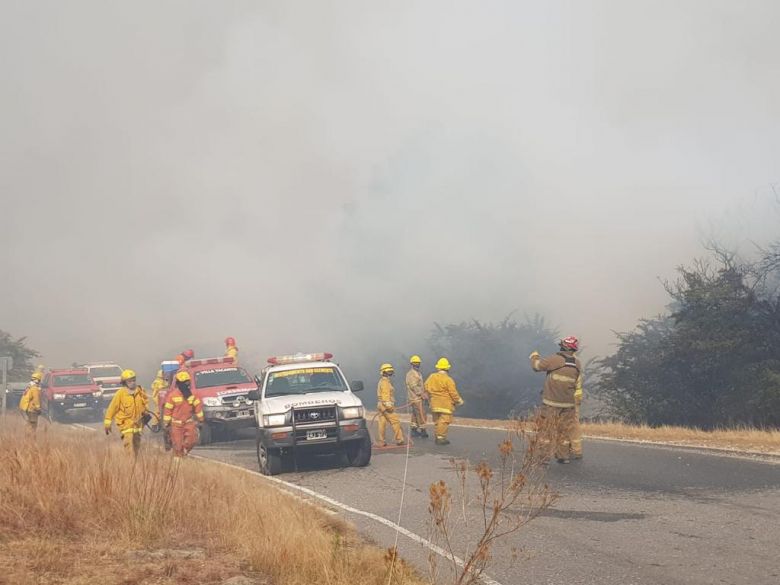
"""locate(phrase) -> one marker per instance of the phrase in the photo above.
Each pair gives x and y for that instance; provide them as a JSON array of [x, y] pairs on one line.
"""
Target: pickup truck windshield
[[71, 380], [304, 381], [221, 377], [105, 372]]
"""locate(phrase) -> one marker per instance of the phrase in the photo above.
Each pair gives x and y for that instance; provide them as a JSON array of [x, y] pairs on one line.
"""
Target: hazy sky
[[339, 175]]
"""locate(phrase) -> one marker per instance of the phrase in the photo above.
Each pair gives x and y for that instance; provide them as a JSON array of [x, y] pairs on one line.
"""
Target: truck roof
[[66, 371], [100, 365]]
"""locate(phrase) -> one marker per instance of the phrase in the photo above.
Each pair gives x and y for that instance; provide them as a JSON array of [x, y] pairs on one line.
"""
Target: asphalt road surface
[[627, 514]]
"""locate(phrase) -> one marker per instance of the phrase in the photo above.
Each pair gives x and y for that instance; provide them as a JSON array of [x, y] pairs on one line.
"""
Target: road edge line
[[346, 507], [352, 510]]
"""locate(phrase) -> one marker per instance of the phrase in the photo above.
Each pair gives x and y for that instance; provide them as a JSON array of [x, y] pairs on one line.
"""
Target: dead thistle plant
[[509, 493]]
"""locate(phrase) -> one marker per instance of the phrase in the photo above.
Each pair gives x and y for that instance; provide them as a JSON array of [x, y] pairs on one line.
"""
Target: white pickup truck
[[304, 404]]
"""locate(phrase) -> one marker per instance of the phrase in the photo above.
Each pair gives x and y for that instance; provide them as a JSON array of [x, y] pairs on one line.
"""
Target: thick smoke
[[340, 175]]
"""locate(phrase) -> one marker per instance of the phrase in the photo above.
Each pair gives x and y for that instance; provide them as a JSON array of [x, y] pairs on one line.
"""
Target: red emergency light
[[280, 360], [209, 361]]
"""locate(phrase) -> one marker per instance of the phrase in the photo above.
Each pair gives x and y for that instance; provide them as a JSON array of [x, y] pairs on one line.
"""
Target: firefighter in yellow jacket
[[385, 404], [564, 378], [129, 408], [30, 404], [159, 387], [415, 393], [444, 398]]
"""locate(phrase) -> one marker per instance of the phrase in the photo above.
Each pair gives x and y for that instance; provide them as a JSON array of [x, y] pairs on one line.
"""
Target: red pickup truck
[[70, 392], [223, 388]]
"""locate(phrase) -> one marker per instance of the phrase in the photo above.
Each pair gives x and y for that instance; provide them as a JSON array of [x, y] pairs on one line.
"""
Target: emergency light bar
[[222, 360], [280, 360]]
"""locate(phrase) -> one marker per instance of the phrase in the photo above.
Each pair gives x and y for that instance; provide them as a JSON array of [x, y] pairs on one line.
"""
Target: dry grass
[[75, 509], [739, 439], [744, 439]]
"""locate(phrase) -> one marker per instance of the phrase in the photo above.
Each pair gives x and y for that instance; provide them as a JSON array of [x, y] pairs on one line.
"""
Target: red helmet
[[230, 341], [570, 343], [188, 353]]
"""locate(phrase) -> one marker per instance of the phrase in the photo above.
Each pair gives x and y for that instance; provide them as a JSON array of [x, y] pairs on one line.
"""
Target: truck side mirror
[[357, 386], [253, 395]]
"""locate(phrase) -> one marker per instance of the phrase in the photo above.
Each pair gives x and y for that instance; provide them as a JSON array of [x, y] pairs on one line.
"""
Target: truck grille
[[230, 400], [78, 397], [315, 415]]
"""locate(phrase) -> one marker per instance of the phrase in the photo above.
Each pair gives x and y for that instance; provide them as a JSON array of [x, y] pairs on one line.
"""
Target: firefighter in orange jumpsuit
[[182, 413], [129, 407], [231, 350]]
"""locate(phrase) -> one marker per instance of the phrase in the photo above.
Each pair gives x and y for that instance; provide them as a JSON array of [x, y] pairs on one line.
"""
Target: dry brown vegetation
[[739, 439], [507, 496], [74, 509], [742, 439]]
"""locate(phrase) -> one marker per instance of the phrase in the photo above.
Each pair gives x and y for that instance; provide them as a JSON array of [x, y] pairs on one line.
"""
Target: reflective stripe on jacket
[[179, 410], [563, 378], [443, 392]]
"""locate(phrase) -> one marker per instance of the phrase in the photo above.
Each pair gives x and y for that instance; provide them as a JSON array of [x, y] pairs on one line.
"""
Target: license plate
[[245, 413], [79, 404], [313, 435]]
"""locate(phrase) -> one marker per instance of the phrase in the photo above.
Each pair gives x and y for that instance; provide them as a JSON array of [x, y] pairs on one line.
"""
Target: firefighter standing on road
[[444, 399], [129, 408], [231, 350], [385, 394], [415, 392], [183, 411], [563, 379], [30, 404]]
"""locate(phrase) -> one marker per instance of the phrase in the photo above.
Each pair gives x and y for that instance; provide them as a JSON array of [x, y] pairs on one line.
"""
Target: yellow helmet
[[443, 364], [37, 376], [127, 375], [183, 377], [159, 374], [385, 368], [415, 359]]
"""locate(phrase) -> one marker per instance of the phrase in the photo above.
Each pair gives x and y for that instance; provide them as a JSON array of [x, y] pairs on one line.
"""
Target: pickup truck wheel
[[358, 453], [206, 434], [51, 414], [270, 463]]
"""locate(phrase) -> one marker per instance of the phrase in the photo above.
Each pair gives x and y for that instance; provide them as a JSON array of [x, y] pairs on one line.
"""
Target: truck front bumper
[[320, 438], [233, 418]]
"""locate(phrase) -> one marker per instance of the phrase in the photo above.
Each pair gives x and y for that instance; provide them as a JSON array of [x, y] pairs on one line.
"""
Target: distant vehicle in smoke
[[14, 393], [70, 392], [106, 376], [303, 404], [223, 388]]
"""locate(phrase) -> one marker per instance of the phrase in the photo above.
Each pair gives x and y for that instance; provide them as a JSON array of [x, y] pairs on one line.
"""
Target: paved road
[[628, 514]]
